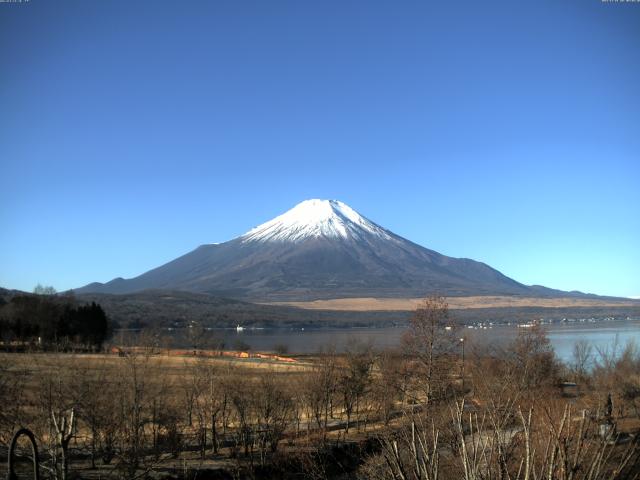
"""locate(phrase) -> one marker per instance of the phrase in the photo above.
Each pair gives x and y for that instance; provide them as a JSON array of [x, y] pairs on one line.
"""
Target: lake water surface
[[563, 336]]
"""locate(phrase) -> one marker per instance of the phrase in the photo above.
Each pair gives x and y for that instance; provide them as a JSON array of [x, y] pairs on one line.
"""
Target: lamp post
[[462, 369]]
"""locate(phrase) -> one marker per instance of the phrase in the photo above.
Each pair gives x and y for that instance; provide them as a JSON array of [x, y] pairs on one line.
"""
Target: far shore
[[455, 303]]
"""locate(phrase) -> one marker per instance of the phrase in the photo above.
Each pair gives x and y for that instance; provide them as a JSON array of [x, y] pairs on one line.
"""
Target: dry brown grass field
[[409, 304], [173, 381], [158, 413]]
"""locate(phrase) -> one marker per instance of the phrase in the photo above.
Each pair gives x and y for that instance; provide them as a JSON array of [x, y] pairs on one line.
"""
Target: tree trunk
[[214, 435]]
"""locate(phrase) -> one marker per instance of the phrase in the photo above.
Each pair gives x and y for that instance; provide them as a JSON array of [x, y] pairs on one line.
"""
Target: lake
[[563, 336]]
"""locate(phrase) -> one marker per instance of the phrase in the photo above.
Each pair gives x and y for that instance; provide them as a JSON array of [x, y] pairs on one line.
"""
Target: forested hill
[[176, 309]]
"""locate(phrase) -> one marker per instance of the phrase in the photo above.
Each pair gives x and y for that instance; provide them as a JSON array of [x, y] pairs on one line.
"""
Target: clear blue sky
[[133, 131]]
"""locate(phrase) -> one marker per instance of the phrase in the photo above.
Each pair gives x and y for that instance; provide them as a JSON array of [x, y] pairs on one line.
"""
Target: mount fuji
[[321, 249]]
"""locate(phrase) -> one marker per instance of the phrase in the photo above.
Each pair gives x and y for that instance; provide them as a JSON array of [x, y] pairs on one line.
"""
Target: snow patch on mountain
[[313, 219]]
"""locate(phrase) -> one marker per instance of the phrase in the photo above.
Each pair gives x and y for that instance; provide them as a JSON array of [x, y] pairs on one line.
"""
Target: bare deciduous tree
[[533, 358], [273, 408], [582, 359], [64, 429], [321, 384], [354, 379], [430, 342]]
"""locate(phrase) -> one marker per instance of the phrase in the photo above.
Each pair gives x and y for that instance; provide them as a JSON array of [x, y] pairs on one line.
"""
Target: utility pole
[[462, 369]]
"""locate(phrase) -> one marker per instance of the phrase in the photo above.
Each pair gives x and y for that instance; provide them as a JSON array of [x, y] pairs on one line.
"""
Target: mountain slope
[[320, 249]]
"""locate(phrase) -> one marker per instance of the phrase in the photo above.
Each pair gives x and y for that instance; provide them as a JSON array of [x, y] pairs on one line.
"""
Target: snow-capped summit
[[316, 218]]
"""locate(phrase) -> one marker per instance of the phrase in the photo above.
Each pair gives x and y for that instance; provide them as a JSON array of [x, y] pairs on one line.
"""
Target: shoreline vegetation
[[438, 407]]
